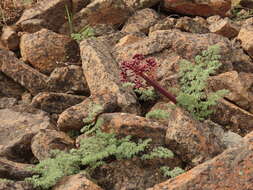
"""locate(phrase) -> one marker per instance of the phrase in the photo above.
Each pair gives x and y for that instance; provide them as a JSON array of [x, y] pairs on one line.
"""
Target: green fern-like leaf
[[193, 80]]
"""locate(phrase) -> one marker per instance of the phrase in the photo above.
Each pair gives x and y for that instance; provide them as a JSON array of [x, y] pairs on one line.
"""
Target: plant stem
[[157, 86]]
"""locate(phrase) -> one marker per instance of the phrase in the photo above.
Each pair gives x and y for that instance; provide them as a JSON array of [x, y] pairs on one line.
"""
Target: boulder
[[76, 182], [8, 87], [191, 139], [10, 38], [22, 73], [141, 21], [198, 8], [72, 118], [47, 140], [68, 79], [136, 126], [246, 37], [51, 11], [103, 74], [141, 4], [230, 170], [109, 12], [15, 185], [46, 50], [18, 126], [225, 27]]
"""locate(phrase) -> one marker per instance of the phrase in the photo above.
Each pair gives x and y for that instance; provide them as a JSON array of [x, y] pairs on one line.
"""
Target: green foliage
[[167, 172], [241, 13], [159, 152], [193, 80], [146, 94], [85, 32], [157, 114], [91, 154], [49, 171]]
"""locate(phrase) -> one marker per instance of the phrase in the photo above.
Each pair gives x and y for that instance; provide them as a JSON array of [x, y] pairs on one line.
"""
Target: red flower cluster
[[132, 71], [139, 71]]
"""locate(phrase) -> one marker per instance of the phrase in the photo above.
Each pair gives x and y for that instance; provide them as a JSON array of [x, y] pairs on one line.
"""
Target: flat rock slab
[[18, 185], [198, 8], [18, 125], [136, 126], [55, 102], [22, 73], [14, 170], [233, 169]]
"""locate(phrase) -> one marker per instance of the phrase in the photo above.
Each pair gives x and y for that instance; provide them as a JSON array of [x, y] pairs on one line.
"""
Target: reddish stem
[[157, 86]]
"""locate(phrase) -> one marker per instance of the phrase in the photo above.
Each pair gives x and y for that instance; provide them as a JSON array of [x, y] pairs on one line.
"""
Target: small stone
[[246, 37], [10, 38]]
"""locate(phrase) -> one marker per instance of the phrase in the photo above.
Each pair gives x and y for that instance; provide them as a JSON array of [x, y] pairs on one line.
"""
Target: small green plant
[[90, 154], [146, 94], [241, 13], [85, 32], [157, 114], [193, 80], [167, 172], [159, 152]]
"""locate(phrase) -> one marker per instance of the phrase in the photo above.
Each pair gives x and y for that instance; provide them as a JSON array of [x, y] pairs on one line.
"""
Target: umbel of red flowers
[[140, 68]]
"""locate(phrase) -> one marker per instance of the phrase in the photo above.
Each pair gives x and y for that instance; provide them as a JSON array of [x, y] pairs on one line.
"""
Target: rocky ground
[[48, 81]]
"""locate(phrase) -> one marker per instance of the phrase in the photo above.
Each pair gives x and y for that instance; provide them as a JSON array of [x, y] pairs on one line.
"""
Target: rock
[[103, 29], [243, 3], [164, 24], [51, 11], [109, 12], [188, 24], [72, 118], [55, 102], [18, 185], [239, 86], [21, 73], [112, 39], [7, 102], [10, 38], [233, 118], [129, 174], [76, 182], [246, 37], [46, 50], [47, 140], [26, 98], [224, 27], [140, 4], [136, 126], [141, 21], [128, 39], [8, 87], [33, 25], [68, 79], [13, 170], [231, 170], [78, 5], [191, 139], [18, 125], [198, 8], [213, 19], [186, 45], [241, 61], [103, 74]]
